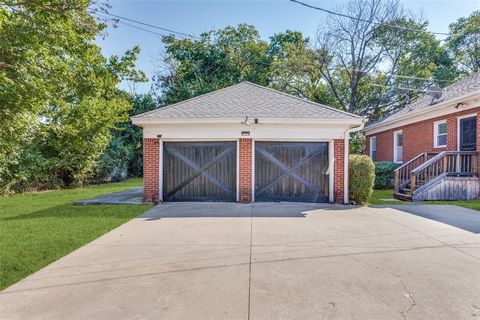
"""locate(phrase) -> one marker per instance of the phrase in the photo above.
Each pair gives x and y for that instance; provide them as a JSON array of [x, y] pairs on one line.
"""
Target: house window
[[398, 146], [440, 134], [373, 148]]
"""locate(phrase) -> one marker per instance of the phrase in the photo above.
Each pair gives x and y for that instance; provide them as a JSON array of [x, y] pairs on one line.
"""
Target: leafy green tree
[[58, 93], [464, 42], [124, 154], [370, 67], [218, 59]]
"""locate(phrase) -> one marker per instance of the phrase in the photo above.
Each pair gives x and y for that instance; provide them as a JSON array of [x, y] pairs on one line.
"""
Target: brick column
[[338, 185], [151, 164], [452, 133], [245, 166]]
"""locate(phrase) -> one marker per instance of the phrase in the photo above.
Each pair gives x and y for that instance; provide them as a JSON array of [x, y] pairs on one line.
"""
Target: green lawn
[[377, 195], [39, 228]]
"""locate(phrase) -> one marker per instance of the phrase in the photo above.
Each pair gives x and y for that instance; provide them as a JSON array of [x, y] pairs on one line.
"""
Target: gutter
[[346, 158]]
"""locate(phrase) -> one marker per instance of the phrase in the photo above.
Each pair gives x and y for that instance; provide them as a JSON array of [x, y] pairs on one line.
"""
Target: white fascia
[[140, 121]]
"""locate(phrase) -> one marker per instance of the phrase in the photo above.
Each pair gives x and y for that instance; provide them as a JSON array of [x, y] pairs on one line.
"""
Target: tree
[[464, 42], [58, 93], [218, 59], [368, 65], [124, 155]]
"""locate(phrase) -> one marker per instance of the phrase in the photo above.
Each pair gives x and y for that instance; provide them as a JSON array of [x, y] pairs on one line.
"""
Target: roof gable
[[246, 100]]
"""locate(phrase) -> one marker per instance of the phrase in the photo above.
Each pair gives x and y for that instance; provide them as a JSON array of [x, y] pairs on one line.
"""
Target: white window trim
[[435, 134], [395, 133], [371, 150]]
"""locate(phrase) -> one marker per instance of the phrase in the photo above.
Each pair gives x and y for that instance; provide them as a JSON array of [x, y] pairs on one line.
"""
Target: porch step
[[402, 196], [406, 191]]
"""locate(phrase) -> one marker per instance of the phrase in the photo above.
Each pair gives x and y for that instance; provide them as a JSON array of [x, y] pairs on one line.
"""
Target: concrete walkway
[[261, 261], [129, 196]]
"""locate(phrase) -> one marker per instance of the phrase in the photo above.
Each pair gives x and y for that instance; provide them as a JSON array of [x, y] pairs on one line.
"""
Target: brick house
[[246, 143], [435, 140]]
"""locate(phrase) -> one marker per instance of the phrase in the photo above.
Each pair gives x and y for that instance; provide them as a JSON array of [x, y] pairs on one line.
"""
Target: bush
[[384, 174], [362, 178]]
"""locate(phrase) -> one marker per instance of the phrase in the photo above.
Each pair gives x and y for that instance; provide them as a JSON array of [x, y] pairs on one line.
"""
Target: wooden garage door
[[199, 171], [291, 171]]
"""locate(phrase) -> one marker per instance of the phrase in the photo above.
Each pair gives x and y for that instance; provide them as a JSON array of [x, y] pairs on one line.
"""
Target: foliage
[[58, 93], [360, 59], [384, 174], [357, 143], [218, 59], [362, 177], [464, 42], [39, 228], [124, 155]]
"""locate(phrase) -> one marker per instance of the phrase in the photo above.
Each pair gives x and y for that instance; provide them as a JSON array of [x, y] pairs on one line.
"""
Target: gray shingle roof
[[246, 99], [457, 89]]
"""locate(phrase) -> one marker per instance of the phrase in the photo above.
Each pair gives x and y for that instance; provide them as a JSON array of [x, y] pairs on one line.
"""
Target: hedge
[[384, 174], [362, 178]]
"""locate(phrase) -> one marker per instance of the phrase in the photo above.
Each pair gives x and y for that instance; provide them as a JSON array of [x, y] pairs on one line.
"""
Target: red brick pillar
[[452, 133], [338, 175], [245, 174], [151, 164]]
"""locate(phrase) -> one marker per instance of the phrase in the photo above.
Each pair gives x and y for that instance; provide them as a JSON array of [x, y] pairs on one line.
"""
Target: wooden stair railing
[[458, 163], [403, 173]]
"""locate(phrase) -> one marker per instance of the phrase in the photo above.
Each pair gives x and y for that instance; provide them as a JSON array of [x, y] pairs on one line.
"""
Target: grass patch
[[39, 228], [378, 195]]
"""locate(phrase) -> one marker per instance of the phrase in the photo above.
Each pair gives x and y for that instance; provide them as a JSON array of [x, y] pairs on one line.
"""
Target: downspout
[[346, 154]]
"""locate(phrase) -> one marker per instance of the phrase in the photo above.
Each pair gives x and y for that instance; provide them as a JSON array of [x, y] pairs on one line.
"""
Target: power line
[[404, 88], [151, 25], [133, 26], [365, 20], [410, 77]]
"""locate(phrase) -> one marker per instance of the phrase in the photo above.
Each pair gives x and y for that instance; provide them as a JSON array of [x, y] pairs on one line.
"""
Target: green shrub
[[362, 177], [384, 174]]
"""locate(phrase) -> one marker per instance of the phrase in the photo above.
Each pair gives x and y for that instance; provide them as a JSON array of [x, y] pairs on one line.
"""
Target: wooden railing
[[403, 173], [460, 163]]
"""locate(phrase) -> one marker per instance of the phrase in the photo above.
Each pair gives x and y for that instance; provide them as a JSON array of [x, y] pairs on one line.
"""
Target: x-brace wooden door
[[199, 171], [291, 171]]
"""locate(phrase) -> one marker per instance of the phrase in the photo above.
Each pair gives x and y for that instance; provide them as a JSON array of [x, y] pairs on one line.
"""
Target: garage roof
[[242, 100]]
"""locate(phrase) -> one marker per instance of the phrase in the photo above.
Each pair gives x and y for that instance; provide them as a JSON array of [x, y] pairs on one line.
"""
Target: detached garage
[[246, 143]]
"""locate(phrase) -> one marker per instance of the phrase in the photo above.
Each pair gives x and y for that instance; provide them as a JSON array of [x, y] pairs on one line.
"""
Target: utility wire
[[151, 25], [409, 77], [131, 25], [405, 88], [365, 20]]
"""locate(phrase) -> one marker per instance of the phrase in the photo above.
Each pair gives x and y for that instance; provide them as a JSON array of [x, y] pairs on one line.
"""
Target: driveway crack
[[406, 292]]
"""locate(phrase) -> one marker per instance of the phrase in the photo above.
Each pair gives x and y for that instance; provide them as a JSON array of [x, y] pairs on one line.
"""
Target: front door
[[468, 134]]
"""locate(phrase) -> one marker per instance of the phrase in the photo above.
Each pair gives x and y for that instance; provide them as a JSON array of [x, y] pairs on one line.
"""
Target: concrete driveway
[[261, 261]]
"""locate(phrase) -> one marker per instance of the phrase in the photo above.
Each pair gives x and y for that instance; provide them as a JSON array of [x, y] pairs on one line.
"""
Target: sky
[[268, 16]]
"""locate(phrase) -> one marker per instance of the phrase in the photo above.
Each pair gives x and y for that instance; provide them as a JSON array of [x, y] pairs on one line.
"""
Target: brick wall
[[151, 163], [245, 170], [338, 181], [418, 137]]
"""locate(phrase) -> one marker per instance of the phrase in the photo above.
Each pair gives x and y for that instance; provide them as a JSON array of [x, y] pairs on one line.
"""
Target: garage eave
[[247, 120]]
